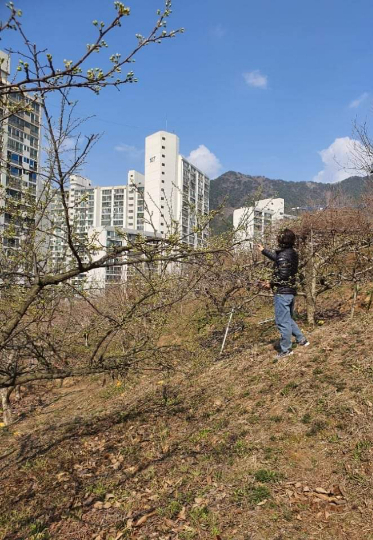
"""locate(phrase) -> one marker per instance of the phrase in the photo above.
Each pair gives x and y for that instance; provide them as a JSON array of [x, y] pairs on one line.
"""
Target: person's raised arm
[[266, 253]]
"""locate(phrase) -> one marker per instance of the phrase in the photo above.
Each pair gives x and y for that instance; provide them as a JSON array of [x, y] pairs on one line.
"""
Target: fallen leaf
[[144, 518], [182, 514], [198, 500], [321, 490], [89, 501], [337, 490], [262, 502], [322, 497]]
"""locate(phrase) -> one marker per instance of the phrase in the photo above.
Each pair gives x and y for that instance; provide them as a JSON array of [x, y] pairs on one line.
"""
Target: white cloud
[[131, 151], [218, 31], [256, 79], [338, 160], [206, 161], [357, 102], [69, 143]]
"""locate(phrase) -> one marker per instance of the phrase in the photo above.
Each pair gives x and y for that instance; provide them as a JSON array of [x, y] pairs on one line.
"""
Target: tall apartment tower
[[20, 158], [176, 192], [97, 212], [254, 221]]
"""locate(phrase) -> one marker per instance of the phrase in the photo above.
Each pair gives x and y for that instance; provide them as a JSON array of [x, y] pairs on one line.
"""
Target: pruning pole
[[226, 331], [266, 321]]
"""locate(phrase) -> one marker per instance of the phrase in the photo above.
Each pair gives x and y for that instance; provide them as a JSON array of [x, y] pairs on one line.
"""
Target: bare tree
[[335, 248], [42, 336]]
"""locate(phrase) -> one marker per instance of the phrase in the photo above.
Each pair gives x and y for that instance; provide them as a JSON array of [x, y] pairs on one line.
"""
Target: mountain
[[233, 190]]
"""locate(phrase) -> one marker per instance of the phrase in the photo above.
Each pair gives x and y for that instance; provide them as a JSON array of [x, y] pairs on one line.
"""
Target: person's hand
[[260, 247]]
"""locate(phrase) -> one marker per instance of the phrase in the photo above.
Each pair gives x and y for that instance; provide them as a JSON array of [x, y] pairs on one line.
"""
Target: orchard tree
[[42, 335]]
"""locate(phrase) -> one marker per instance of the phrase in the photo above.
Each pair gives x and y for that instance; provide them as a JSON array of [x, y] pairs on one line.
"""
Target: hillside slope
[[234, 190], [234, 450]]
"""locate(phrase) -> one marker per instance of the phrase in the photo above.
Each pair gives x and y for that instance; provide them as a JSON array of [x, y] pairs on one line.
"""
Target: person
[[283, 284]]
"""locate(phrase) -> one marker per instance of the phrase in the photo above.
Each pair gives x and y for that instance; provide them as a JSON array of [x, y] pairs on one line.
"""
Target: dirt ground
[[237, 449]]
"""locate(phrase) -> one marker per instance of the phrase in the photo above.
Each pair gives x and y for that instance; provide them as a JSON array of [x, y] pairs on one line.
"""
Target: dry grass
[[237, 449]]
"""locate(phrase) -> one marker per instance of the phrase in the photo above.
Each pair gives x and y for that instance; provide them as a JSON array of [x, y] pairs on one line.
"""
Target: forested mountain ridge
[[234, 190]]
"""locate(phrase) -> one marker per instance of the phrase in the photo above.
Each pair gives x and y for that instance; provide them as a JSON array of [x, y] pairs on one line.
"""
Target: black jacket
[[285, 270]]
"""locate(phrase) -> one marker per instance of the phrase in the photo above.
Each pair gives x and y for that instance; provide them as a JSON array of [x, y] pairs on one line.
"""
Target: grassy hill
[[237, 449], [234, 190]]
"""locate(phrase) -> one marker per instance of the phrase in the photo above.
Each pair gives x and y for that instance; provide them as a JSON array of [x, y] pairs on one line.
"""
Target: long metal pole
[[226, 331]]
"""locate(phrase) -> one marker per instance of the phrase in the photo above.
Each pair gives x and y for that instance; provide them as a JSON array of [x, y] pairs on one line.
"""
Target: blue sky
[[264, 88]]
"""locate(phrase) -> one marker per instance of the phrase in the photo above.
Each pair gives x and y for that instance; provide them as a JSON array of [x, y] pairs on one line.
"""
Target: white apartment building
[[252, 222], [172, 197], [20, 158], [176, 192], [97, 214], [104, 238]]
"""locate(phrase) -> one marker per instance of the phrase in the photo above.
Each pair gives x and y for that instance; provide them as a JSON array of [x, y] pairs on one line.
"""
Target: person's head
[[286, 238]]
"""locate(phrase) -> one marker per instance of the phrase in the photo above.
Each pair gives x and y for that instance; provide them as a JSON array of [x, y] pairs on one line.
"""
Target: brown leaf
[[322, 497], [98, 505], [89, 501], [337, 490], [144, 518], [182, 514], [321, 490]]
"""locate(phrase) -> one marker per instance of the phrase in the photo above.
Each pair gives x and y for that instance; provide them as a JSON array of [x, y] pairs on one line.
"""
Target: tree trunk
[[354, 299], [310, 289], [5, 402], [370, 300]]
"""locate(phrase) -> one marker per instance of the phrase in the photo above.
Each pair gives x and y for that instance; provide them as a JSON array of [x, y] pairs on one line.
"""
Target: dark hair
[[286, 238]]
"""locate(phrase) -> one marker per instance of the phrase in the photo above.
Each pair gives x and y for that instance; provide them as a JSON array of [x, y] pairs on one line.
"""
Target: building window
[[163, 164], [163, 155], [162, 181], [163, 172], [162, 199], [161, 205], [163, 148], [163, 138]]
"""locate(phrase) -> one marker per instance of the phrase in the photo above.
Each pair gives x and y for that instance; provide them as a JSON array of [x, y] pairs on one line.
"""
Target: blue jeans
[[284, 310]]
